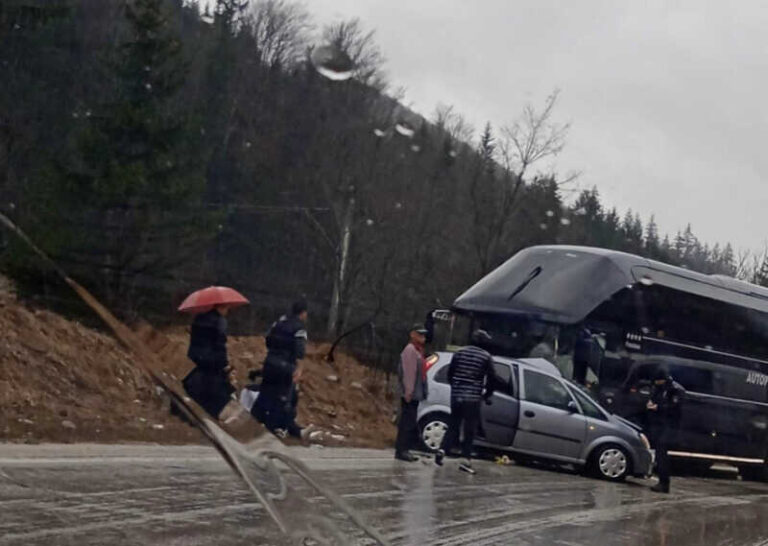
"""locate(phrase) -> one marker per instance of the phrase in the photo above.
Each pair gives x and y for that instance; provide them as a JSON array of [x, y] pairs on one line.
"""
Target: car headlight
[[644, 439]]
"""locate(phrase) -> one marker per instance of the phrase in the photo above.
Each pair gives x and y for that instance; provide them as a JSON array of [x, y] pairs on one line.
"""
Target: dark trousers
[[661, 445], [464, 414], [406, 428]]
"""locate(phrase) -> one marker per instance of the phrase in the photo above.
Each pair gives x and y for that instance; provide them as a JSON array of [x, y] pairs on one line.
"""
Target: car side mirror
[[572, 407]]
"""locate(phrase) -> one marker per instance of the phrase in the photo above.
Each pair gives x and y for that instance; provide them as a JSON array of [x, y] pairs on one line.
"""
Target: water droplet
[[75, 115], [148, 86], [398, 206], [332, 62], [543, 225], [87, 113], [379, 133], [221, 228], [453, 153], [369, 222], [12, 206], [550, 213], [565, 221], [248, 144], [147, 68], [17, 26], [404, 129], [416, 148], [647, 281]]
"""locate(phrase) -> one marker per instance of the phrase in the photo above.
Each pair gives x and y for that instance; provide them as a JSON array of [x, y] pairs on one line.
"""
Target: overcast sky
[[667, 98]]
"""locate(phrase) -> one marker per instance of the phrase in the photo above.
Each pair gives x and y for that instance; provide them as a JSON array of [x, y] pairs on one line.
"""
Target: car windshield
[[291, 271]]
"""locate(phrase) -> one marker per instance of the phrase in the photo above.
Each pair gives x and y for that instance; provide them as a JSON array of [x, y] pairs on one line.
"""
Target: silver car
[[536, 413]]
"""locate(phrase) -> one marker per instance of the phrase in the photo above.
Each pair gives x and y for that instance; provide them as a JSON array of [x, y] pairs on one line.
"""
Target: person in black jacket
[[469, 373], [663, 417], [208, 384], [278, 397]]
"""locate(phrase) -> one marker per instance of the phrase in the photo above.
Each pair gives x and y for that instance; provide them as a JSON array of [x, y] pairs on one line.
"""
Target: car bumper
[[644, 460]]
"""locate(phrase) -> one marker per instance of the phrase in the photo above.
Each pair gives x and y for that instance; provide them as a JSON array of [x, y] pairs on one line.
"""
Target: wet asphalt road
[[151, 495]]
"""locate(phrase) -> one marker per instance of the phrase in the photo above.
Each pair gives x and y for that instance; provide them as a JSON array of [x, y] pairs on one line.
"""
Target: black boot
[[661, 487]]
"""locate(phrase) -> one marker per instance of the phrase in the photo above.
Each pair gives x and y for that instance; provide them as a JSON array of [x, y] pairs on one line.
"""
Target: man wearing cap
[[469, 373], [663, 416], [286, 346], [413, 389]]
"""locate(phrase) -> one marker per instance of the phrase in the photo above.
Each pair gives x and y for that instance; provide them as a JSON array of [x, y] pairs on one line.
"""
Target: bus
[[608, 319]]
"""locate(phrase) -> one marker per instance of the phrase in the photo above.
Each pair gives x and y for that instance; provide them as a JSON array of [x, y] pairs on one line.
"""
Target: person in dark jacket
[[278, 396], [663, 417], [208, 384], [413, 389], [471, 377]]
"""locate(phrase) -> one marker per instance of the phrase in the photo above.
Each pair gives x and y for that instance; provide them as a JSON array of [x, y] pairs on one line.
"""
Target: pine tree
[[761, 275], [652, 238], [134, 174]]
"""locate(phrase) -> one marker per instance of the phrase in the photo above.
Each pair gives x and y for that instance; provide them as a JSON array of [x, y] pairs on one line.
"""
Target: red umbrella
[[206, 299]]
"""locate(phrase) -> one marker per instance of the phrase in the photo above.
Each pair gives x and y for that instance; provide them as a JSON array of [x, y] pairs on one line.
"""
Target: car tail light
[[430, 361]]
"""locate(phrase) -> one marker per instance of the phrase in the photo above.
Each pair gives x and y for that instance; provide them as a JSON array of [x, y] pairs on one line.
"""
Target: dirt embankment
[[63, 382]]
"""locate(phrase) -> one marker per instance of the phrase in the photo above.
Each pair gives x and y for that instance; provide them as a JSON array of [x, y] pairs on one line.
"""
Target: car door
[[499, 419], [547, 425]]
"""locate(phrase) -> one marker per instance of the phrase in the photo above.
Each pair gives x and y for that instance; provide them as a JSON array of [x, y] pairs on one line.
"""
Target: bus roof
[[564, 284]]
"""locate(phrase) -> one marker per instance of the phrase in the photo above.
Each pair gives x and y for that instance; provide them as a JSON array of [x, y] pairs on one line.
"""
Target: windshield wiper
[[532, 275]]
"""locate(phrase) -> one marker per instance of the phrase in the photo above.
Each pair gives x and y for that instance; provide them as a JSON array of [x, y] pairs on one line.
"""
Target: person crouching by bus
[[413, 389], [663, 417], [470, 370]]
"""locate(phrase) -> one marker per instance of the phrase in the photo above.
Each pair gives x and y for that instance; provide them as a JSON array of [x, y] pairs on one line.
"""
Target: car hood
[[626, 422]]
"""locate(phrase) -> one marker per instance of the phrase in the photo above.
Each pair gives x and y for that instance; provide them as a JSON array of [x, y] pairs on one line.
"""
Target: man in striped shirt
[[469, 373]]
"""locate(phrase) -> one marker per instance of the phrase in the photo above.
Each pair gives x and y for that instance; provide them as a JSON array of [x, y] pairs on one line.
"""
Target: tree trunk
[[341, 271]]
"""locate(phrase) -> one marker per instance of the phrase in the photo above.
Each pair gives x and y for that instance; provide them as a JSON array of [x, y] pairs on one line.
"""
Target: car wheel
[[432, 428], [610, 462]]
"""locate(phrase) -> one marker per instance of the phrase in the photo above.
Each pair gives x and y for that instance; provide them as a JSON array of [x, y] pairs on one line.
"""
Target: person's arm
[[410, 363], [300, 350], [490, 378]]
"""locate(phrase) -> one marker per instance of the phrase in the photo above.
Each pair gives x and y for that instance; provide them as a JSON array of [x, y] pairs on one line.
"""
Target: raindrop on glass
[[647, 281], [398, 206], [148, 86], [369, 222], [550, 213], [416, 148], [565, 221], [12, 206], [87, 113], [147, 68], [543, 226], [453, 153], [379, 133], [75, 115], [332, 62], [247, 144], [404, 129]]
